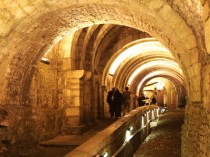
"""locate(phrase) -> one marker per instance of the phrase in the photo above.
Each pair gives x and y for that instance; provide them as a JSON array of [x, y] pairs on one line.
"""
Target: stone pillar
[[102, 101], [105, 104], [73, 109], [95, 106], [195, 131], [87, 102], [160, 94]]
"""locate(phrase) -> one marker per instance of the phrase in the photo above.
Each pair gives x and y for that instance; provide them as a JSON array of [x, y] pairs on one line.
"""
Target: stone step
[[6, 136], [4, 123], [65, 140]]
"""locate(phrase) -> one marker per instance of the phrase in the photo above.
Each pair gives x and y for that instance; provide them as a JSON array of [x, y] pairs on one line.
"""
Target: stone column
[[73, 109], [102, 101], [105, 104]]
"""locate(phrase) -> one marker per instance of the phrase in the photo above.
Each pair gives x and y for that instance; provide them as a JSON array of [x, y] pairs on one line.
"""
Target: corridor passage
[[63, 144], [165, 139]]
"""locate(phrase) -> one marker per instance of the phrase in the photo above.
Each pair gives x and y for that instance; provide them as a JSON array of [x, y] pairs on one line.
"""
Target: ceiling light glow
[[136, 50]]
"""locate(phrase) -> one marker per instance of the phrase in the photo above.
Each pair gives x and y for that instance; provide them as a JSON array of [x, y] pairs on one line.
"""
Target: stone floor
[[63, 144], [165, 139]]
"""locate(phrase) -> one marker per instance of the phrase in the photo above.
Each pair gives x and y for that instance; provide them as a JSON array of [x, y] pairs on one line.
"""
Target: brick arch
[[103, 31], [104, 57], [170, 77], [178, 93], [125, 70], [103, 43], [128, 66], [58, 23], [123, 45], [142, 74], [151, 68], [77, 48], [166, 73]]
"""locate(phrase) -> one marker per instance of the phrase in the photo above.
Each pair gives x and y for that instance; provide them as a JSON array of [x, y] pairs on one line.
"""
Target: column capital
[[79, 74], [103, 88]]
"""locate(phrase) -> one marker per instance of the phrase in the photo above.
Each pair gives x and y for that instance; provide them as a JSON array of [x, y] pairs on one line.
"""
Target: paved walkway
[[165, 139], [63, 144]]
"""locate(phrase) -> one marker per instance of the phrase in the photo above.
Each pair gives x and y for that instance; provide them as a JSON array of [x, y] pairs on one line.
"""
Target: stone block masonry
[[196, 128]]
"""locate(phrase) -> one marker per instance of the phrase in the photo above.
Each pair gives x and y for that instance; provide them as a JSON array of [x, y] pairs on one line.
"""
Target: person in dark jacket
[[118, 100], [141, 100], [154, 99], [110, 101]]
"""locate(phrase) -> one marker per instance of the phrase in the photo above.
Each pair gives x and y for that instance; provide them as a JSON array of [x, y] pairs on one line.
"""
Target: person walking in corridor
[[141, 100], [110, 101], [126, 101], [118, 100], [154, 99]]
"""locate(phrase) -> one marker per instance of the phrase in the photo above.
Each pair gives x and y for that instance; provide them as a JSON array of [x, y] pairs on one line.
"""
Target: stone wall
[[46, 97], [30, 28], [196, 132], [44, 91], [206, 19], [116, 135], [196, 129], [26, 127], [41, 117], [58, 22]]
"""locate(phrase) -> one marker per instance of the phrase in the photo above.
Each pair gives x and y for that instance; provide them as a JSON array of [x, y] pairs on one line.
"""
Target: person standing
[[126, 101], [110, 101], [154, 99], [118, 100], [141, 100]]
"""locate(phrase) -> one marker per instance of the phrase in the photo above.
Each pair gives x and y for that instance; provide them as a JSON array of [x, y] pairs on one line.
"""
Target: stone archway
[[60, 27], [52, 21]]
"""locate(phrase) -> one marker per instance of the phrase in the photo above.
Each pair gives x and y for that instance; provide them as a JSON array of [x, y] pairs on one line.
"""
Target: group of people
[[142, 99], [119, 101]]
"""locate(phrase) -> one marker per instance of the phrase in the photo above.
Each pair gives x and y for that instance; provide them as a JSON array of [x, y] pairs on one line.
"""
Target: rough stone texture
[[27, 126], [206, 19], [112, 138], [196, 128], [29, 29], [151, 29], [193, 17], [42, 116], [207, 32], [206, 88], [165, 139]]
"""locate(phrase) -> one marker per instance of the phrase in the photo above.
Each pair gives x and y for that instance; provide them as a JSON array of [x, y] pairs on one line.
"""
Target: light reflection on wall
[[66, 41], [136, 50], [156, 73], [172, 65], [160, 85]]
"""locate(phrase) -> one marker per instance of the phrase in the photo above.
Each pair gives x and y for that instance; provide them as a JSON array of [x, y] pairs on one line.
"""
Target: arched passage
[[63, 26], [41, 24]]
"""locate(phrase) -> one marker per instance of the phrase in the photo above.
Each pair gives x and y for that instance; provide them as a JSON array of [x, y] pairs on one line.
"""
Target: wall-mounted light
[[130, 128], [147, 116], [142, 122], [158, 111], [160, 86], [128, 135], [45, 60], [153, 114], [105, 154]]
